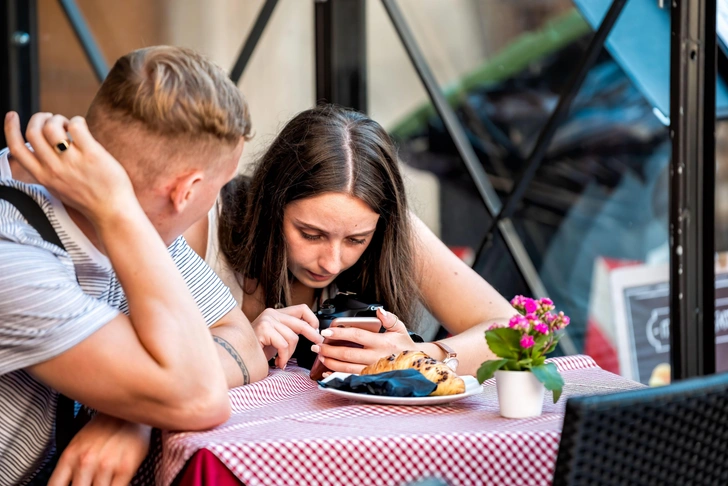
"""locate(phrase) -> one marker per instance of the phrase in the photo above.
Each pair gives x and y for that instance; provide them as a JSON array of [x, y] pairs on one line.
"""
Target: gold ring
[[393, 325], [62, 146]]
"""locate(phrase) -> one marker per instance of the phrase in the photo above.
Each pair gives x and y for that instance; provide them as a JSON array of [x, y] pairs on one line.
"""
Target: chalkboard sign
[[641, 298]]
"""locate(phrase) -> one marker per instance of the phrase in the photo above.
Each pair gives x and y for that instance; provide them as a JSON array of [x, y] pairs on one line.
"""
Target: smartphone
[[371, 324]]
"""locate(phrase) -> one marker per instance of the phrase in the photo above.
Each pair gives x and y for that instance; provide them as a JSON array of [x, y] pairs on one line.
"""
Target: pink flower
[[519, 322], [546, 302], [530, 306], [542, 328], [518, 301], [496, 326], [527, 341], [564, 319]]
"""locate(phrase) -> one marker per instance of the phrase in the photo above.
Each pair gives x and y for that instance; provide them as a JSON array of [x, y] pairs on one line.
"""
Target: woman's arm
[[458, 297], [452, 291]]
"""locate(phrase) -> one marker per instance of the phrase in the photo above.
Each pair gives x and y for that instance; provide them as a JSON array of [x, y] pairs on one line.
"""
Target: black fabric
[[397, 383], [31, 211]]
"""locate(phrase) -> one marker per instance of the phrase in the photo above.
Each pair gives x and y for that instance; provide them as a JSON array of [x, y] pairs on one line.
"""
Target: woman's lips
[[317, 277]]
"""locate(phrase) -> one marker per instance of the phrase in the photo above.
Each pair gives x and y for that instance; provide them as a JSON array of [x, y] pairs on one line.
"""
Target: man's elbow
[[202, 411]]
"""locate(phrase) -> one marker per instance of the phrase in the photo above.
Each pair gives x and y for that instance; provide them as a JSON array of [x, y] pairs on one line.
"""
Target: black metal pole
[[692, 188], [19, 80], [341, 56], [86, 39], [473, 165], [552, 124], [257, 31]]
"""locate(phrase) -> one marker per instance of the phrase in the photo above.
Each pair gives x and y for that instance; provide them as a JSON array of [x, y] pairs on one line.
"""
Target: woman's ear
[[184, 190]]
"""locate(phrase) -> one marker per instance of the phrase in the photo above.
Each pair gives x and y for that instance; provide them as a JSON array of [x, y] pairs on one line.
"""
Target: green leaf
[[550, 377], [540, 342], [488, 369], [504, 342]]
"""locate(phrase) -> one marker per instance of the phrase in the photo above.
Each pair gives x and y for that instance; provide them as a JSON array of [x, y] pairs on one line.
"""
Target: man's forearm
[[241, 357]]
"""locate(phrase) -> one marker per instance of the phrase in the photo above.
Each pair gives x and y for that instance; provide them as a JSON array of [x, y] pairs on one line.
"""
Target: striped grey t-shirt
[[51, 300]]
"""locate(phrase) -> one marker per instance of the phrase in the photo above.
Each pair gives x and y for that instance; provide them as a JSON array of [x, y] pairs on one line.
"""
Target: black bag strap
[[29, 208]]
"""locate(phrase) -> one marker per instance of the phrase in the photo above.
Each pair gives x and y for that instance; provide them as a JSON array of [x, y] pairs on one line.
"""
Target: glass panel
[[594, 221]]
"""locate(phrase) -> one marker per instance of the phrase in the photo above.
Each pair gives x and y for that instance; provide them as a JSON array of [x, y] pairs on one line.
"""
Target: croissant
[[448, 383]]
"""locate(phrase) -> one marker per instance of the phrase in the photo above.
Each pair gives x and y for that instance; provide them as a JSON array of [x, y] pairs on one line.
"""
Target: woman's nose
[[330, 259]]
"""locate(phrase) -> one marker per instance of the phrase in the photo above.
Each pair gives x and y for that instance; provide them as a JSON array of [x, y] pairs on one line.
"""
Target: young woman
[[326, 211]]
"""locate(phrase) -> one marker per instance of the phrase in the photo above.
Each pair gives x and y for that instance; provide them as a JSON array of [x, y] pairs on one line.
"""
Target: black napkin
[[397, 383]]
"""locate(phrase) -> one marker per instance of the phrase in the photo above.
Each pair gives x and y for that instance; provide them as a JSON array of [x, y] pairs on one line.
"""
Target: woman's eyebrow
[[303, 225], [310, 226]]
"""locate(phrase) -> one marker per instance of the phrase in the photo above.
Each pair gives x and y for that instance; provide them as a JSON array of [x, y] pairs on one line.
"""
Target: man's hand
[[107, 451], [84, 175]]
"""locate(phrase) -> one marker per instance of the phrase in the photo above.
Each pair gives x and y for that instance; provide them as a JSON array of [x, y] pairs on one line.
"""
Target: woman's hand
[[375, 345], [106, 451], [278, 329], [84, 175]]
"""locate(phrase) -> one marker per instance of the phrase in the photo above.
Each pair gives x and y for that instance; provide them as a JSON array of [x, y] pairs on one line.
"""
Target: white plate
[[472, 387]]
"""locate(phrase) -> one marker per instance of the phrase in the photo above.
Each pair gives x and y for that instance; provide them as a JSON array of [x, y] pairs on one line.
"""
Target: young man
[[118, 321]]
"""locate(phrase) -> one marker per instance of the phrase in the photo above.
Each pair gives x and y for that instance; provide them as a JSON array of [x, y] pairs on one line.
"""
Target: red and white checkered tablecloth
[[285, 431]]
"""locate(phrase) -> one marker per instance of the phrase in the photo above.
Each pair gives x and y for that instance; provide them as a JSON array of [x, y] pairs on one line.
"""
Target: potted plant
[[521, 346]]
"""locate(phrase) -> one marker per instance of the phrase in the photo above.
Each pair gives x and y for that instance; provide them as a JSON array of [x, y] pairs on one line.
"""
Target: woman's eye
[[357, 242], [310, 237]]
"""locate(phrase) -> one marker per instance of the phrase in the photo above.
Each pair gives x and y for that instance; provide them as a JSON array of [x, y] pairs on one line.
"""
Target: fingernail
[[320, 358], [315, 348], [327, 333], [384, 313], [327, 374]]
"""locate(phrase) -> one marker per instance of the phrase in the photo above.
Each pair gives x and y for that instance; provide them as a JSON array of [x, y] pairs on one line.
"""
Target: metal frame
[[692, 188], [19, 78], [341, 55], [252, 40], [465, 150], [467, 154], [85, 38], [554, 121]]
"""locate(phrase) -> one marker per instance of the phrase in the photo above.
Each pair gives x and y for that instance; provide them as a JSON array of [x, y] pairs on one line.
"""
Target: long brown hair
[[324, 149]]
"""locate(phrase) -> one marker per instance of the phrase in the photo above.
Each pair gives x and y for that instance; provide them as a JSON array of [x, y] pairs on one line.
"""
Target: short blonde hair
[[173, 92]]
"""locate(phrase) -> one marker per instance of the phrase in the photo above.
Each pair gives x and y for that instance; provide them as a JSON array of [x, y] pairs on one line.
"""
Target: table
[[284, 430]]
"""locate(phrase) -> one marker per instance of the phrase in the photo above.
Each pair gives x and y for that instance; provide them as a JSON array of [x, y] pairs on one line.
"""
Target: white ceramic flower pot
[[520, 394]]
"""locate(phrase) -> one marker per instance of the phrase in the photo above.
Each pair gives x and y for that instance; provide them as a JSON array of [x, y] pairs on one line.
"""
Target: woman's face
[[325, 235]]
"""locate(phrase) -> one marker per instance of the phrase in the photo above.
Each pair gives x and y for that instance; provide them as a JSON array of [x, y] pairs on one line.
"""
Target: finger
[[103, 476], [62, 474], [82, 138], [122, 479], [42, 148], [291, 339], [16, 144], [83, 475], [273, 338], [348, 354], [303, 312], [336, 365], [390, 321], [366, 338], [299, 326], [54, 129]]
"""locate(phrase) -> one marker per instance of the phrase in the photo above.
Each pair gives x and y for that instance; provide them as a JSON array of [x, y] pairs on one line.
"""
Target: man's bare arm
[[240, 353]]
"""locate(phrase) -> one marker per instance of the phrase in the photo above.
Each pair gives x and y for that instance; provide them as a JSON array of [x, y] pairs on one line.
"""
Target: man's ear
[[184, 190]]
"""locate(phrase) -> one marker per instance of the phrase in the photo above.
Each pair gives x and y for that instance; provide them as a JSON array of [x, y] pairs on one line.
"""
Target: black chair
[[673, 435]]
